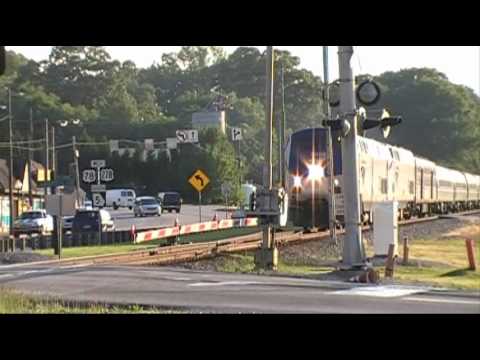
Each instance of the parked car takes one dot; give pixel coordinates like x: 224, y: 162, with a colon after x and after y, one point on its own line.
x: 88, y: 204
x: 170, y: 201
x: 120, y: 198
x: 33, y: 222
x: 147, y: 206
x: 67, y: 223
x: 92, y: 221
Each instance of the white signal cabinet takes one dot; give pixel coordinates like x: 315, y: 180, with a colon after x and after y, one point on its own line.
x: 385, y: 227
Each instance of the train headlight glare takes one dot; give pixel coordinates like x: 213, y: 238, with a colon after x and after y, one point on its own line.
x: 297, y: 181
x: 315, y: 172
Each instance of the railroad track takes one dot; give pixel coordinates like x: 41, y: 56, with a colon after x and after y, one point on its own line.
x: 192, y: 252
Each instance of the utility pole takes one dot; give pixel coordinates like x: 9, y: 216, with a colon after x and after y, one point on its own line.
x: 268, y: 178
x: 267, y: 256
x: 353, y: 251
x: 77, y: 172
x: 326, y: 105
x: 47, y: 165
x: 10, y: 177
x: 30, y: 156
x: 54, y: 157
x: 282, y: 125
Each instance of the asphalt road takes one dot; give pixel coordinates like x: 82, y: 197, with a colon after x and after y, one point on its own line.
x: 228, y: 293
x: 189, y: 214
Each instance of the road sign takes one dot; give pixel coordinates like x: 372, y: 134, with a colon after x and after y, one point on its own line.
x: 98, y: 200
x: 107, y: 175
x: 237, y: 134
x: 89, y: 176
x: 149, y: 144
x: 98, y: 164
x: 199, y: 180
x: 98, y: 188
x: 187, y: 136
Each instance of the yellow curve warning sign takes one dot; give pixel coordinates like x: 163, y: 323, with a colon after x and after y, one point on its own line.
x: 199, y: 180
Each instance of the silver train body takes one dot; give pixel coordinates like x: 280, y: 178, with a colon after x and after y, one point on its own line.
x: 386, y: 173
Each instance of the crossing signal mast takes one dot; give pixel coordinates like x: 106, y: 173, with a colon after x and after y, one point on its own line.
x: 350, y: 123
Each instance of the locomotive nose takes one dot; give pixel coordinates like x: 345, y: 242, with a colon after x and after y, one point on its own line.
x: 316, y: 172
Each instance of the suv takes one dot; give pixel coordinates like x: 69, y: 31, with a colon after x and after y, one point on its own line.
x: 145, y: 206
x: 33, y: 222
x: 171, y: 201
x: 92, y: 221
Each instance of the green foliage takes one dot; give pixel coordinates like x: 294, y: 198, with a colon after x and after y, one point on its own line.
x: 441, y: 119
x: 116, y: 100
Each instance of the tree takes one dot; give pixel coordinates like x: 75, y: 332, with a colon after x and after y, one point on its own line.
x: 78, y: 74
x: 441, y: 119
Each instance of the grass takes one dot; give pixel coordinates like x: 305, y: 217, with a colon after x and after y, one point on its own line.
x: 461, y: 279
x: 436, y: 262
x: 15, y: 303
x: 245, y: 263
x: 440, y: 261
x: 126, y: 247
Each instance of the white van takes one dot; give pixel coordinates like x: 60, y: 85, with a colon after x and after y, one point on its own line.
x: 120, y: 198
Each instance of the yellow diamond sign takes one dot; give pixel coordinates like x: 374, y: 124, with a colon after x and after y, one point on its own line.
x: 199, y: 180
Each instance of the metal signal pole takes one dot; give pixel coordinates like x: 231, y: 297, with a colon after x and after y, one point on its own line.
x: 353, y: 251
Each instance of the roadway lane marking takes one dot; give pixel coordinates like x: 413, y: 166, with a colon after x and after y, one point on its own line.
x: 75, y: 266
x: 447, y: 301
x: 380, y: 291
x: 224, y: 283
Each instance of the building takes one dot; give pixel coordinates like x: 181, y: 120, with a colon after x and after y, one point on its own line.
x: 20, y: 195
x: 213, y: 119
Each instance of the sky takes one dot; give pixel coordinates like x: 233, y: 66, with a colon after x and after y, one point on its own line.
x: 461, y: 64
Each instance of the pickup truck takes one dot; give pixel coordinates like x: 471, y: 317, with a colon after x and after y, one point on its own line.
x: 33, y: 222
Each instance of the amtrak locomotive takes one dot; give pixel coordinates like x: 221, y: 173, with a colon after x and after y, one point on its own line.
x: 386, y: 173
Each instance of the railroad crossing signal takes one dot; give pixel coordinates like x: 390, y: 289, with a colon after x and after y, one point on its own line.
x: 237, y: 134
x: 199, y: 180
x: 98, y: 200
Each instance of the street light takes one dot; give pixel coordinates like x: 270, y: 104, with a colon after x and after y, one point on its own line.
x: 76, y: 154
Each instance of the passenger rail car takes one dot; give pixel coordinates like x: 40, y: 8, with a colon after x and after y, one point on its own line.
x: 386, y: 173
